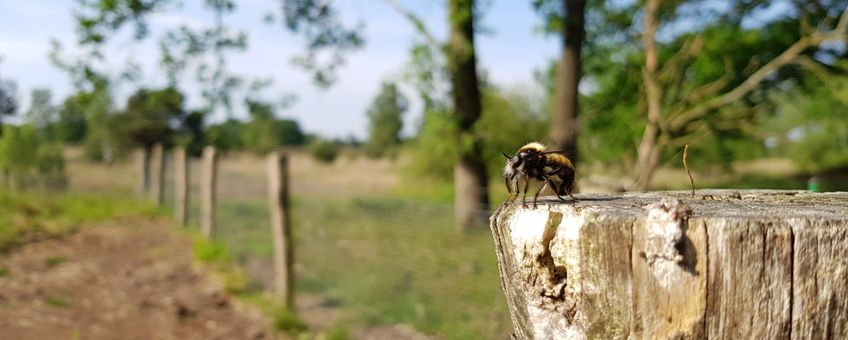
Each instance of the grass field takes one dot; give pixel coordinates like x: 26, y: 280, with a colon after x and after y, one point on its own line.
x: 377, y: 245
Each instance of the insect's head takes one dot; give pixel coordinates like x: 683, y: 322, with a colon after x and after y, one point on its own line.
x: 515, y: 160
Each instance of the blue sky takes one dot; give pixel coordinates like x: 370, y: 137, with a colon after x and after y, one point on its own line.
x: 509, y: 52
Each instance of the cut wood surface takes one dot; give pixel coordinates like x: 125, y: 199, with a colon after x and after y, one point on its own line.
x: 757, y: 264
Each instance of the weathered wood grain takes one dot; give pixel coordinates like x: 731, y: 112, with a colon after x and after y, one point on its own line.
x: 158, y: 179
x: 181, y: 185
x: 208, y: 187
x: 727, y: 264
x: 278, y: 201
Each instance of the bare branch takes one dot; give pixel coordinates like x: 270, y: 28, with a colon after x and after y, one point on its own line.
x: 752, y: 82
x: 416, y: 22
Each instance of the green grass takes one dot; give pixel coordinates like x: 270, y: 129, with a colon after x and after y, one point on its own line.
x: 52, y: 261
x: 57, y: 301
x: 385, y: 260
x: 31, y: 216
x: 390, y: 261
x: 216, y: 255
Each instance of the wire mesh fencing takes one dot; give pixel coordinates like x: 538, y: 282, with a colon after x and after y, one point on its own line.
x: 376, y: 259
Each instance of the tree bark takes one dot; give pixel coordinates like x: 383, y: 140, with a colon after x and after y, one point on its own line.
x: 471, y: 180
x: 759, y: 264
x: 649, y: 148
x: 565, y: 127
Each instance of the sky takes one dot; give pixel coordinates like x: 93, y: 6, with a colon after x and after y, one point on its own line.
x: 510, y: 50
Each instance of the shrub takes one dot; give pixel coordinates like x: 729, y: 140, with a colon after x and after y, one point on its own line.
x: 324, y: 150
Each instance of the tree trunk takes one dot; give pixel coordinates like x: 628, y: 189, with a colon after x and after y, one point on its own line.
x: 470, y: 176
x: 759, y: 264
x: 565, y: 127
x: 650, y: 148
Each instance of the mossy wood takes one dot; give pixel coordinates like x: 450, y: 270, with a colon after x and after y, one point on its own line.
x: 726, y: 264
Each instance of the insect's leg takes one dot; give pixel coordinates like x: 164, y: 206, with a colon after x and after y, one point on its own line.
x: 524, y: 196
x: 536, y: 197
x: 558, y: 189
x: 508, y: 190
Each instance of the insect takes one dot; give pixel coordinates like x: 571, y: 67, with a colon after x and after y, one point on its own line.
x: 531, y: 161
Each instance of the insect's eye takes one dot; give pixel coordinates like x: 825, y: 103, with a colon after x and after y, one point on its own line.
x: 516, y: 160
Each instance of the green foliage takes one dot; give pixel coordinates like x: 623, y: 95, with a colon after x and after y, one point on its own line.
x: 28, y: 159
x: 385, y: 118
x: 319, y: 24
x: 89, y: 116
x: 813, y: 124
x: 150, y: 115
x: 324, y: 150
x: 265, y: 133
x: 8, y: 97
x: 71, y: 126
x: 227, y: 135
x: 287, y: 321
x: 203, y: 52
x: 42, y: 114
x: 191, y: 134
x: 509, y: 121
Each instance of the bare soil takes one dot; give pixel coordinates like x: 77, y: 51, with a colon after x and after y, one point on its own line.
x: 126, y: 279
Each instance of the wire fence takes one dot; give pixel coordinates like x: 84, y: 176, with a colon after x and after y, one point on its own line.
x: 379, y: 260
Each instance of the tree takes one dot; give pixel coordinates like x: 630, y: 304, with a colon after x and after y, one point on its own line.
x: 471, y: 196
x: 8, y: 99
x: 265, y: 133
x: 567, y: 17
x: 385, y: 118
x: 470, y: 175
x: 151, y: 115
x: 42, y: 113
x: 204, y: 53
x: 672, y: 116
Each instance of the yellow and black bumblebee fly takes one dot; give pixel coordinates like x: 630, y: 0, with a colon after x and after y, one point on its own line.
x: 532, y: 161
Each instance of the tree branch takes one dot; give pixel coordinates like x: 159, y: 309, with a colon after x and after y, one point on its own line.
x: 788, y: 56
x: 416, y: 22
x: 714, y: 87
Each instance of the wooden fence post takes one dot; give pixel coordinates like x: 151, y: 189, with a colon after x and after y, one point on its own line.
x: 278, y: 194
x: 158, y: 165
x: 181, y: 185
x: 207, y: 191
x: 143, y: 164
x: 754, y: 264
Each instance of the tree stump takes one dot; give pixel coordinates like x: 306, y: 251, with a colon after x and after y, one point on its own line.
x: 728, y: 264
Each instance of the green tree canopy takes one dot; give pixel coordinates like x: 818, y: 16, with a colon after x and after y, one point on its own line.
x: 265, y: 132
x: 385, y: 117
x: 151, y: 116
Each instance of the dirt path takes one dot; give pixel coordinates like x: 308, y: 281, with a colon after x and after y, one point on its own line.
x: 127, y: 279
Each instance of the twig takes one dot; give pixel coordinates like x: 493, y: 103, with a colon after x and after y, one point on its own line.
x: 686, y: 166
x: 416, y: 21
